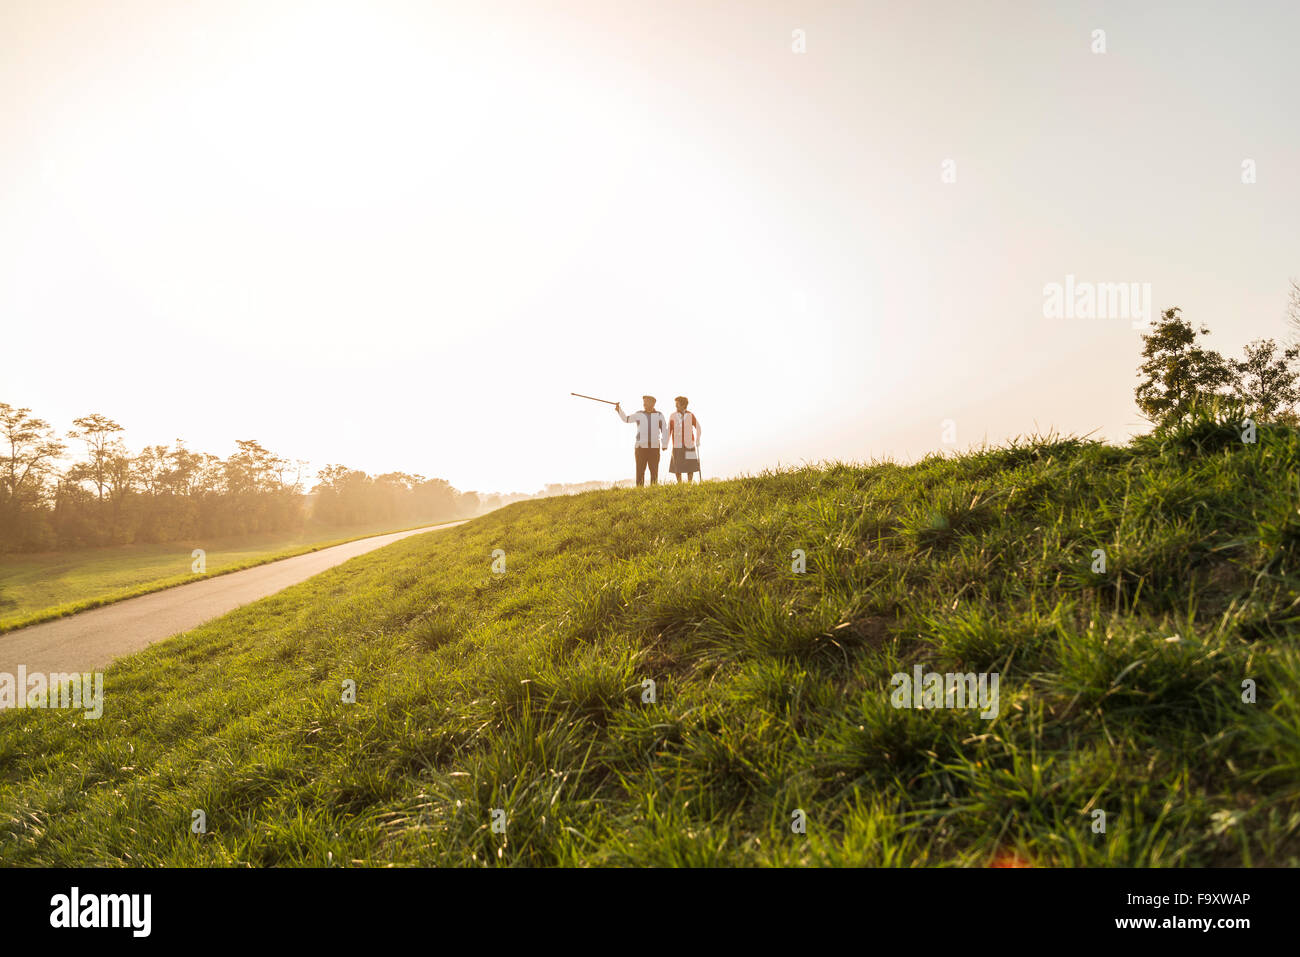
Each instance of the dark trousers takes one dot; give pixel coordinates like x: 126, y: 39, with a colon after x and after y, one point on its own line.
x: 647, y: 458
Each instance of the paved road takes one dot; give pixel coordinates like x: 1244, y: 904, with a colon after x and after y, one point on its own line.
x: 90, y: 640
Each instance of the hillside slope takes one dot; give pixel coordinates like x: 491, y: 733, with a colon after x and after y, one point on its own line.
x: 524, y: 691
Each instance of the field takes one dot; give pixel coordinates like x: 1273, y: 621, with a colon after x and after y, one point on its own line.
x: 503, y: 717
x: 49, y: 585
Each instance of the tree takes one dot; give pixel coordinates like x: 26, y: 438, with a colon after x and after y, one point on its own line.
x: 1177, y: 371
x: 193, y: 473
x: 344, y: 496
x: 119, y: 476
x: 152, y: 468
x: 96, y: 431
x: 1266, y: 381
x: 29, y: 452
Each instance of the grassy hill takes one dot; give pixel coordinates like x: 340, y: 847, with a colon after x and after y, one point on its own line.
x: 1120, y: 691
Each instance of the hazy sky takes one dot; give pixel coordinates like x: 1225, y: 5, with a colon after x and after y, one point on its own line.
x: 397, y: 235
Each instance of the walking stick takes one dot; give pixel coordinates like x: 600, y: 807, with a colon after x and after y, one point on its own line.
x: 593, y: 398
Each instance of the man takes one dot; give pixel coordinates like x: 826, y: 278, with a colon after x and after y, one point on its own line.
x: 684, y: 431
x: 651, y: 436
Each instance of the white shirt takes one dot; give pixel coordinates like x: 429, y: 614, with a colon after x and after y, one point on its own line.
x: 651, y: 429
x: 688, y: 437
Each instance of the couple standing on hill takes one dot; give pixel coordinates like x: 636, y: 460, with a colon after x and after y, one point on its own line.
x: 654, y: 432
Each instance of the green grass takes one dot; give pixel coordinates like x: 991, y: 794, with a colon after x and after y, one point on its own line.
x: 523, y: 691
x: 39, y: 587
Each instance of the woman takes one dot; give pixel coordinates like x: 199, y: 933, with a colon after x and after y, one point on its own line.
x: 684, y: 433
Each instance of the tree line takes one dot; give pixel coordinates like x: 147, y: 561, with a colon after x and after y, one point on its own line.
x: 108, y: 495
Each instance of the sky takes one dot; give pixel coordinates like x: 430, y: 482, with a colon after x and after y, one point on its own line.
x: 397, y: 235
